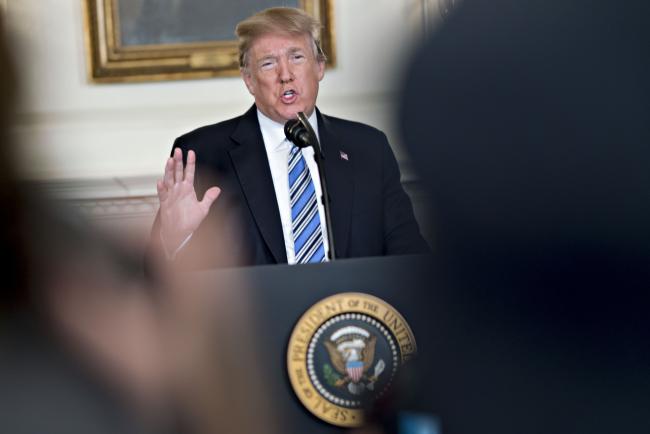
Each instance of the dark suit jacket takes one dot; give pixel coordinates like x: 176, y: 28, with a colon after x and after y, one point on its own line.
x: 371, y: 213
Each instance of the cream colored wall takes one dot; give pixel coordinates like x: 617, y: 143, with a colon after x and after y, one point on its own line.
x: 99, y: 143
x: 72, y: 129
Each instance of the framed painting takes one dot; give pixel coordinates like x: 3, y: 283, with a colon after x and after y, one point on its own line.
x: 147, y: 40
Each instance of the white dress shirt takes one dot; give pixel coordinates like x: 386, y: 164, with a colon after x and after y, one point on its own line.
x: 277, y: 150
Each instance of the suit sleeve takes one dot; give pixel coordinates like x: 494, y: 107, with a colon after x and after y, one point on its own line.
x: 401, y: 231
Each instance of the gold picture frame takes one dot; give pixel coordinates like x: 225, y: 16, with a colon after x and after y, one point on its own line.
x: 112, y: 60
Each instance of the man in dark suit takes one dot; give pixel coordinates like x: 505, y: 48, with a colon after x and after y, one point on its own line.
x: 267, y: 188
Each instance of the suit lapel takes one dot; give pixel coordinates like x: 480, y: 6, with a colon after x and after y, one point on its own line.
x: 252, y: 168
x: 340, y: 182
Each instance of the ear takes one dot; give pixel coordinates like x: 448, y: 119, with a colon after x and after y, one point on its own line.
x: 321, y: 69
x: 248, y: 79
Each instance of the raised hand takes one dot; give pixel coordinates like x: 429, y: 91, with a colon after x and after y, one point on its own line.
x: 181, y: 212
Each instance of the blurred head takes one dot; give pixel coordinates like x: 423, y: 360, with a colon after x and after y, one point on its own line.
x: 281, y: 61
x: 532, y: 131
x: 529, y: 124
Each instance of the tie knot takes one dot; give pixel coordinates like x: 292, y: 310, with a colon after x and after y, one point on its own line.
x: 294, y: 148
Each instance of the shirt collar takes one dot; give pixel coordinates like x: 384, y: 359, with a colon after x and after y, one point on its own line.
x: 273, y: 132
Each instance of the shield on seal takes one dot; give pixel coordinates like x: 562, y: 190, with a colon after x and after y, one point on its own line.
x: 354, y: 370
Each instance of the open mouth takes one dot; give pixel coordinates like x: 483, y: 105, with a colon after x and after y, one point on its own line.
x: 289, y: 96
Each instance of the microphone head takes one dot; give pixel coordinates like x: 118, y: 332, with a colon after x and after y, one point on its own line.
x: 296, y: 132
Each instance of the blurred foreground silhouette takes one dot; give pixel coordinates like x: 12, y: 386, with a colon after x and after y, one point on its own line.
x: 89, y: 344
x: 530, y: 124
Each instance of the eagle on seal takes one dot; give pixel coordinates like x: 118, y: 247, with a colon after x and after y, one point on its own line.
x: 352, y: 352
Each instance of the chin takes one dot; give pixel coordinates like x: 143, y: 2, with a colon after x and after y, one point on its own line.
x: 287, y: 116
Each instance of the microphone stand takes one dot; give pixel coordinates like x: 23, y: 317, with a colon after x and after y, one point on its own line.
x: 312, y: 140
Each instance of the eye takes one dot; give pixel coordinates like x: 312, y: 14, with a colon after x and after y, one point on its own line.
x: 297, y: 57
x: 267, y: 65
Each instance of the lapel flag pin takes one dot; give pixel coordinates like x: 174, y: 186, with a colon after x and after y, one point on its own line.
x: 344, y: 156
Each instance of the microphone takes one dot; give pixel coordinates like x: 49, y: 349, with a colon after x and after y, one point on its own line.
x: 297, y: 132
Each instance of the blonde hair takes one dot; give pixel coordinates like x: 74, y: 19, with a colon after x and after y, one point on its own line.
x: 279, y: 20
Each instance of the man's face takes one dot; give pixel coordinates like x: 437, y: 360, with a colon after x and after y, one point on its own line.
x: 282, y: 74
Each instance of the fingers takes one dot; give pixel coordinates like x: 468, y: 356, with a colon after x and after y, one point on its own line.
x: 178, y: 165
x: 175, y: 172
x: 209, y: 197
x: 190, y: 167
x: 168, y: 178
x: 163, y: 193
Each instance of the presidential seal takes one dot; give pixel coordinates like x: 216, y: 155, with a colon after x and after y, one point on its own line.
x: 345, y: 350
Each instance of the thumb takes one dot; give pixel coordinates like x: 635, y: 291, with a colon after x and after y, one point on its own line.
x: 210, y: 196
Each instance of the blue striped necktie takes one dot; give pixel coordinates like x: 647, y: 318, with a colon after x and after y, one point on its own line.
x: 305, y: 221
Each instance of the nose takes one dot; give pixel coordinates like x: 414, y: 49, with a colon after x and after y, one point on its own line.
x: 284, y: 72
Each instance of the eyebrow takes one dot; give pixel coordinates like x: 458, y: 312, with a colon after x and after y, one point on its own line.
x: 290, y: 50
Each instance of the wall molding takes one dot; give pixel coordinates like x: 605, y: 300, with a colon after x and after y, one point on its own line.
x: 130, y: 204
x: 126, y: 208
